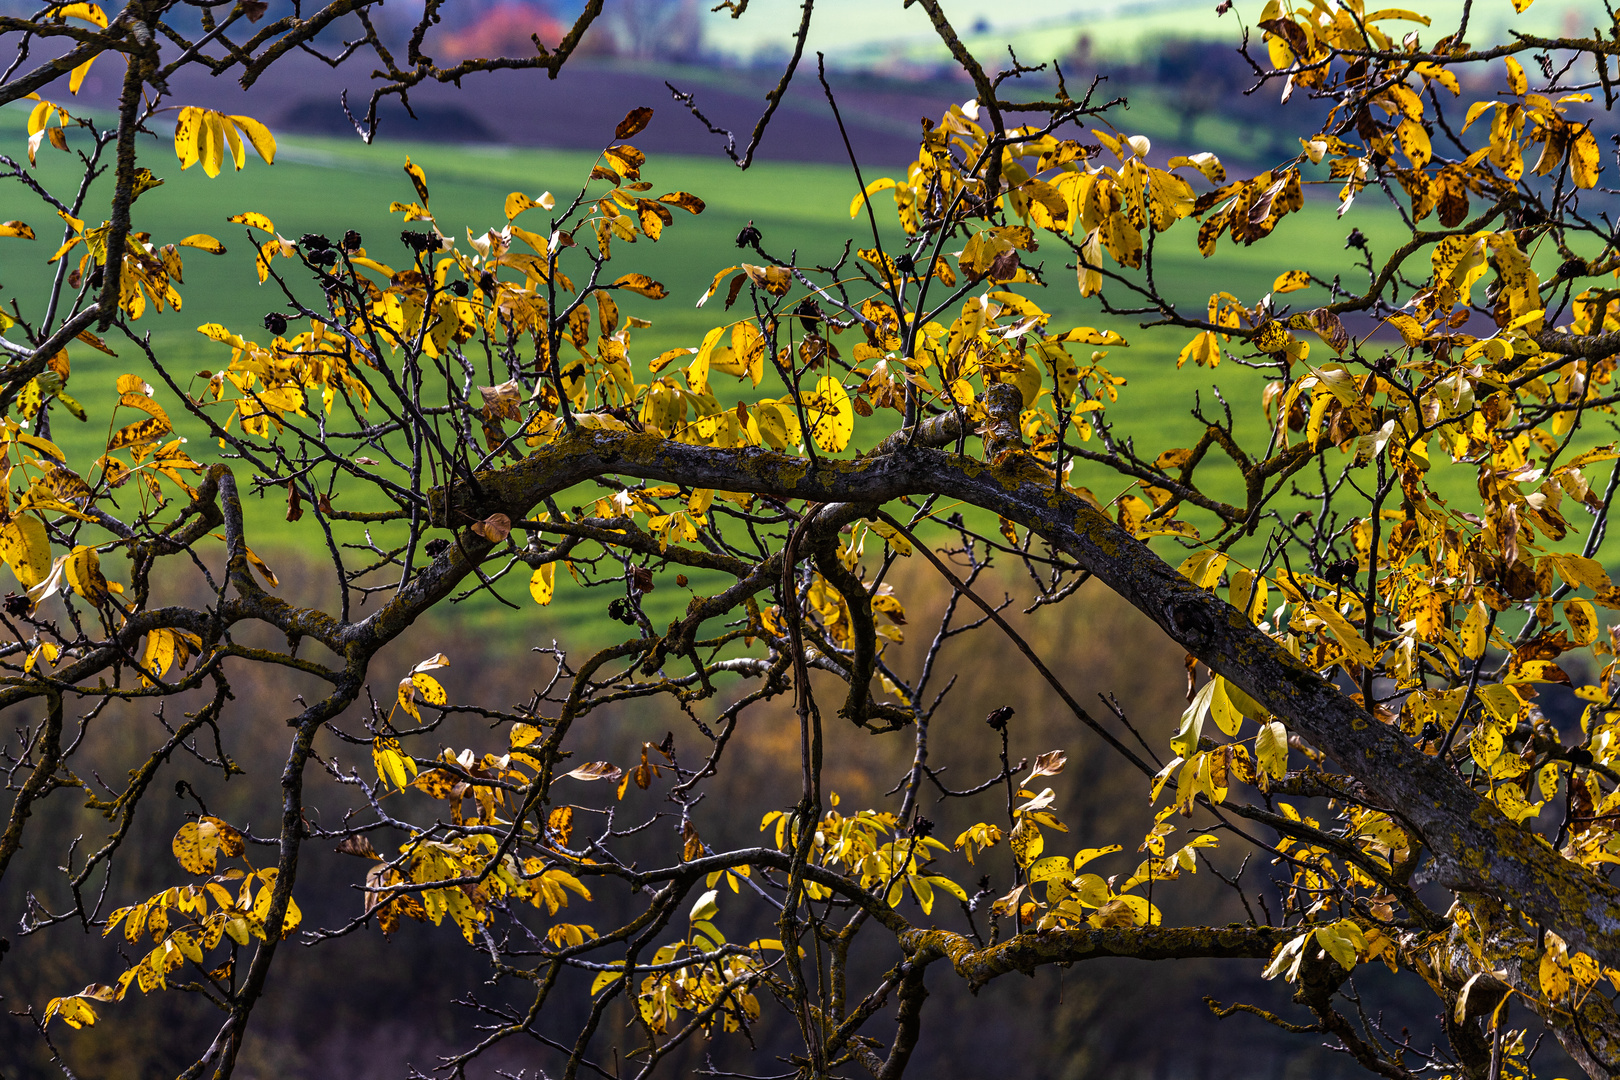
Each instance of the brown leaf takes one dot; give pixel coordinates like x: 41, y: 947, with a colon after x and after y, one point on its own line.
x: 685, y: 200
x: 596, y: 770
x: 1004, y: 267
x: 494, y: 528
x: 561, y: 823
x: 439, y: 784
x: 776, y: 280
x: 357, y: 845
x: 1290, y: 32
x: 1330, y: 329
x: 1048, y: 764
x: 693, y: 849
x: 736, y: 287
x: 501, y: 402
x: 632, y: 124
x: 295, y: 508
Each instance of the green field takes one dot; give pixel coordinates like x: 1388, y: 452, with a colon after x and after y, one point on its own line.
x: 330, y: 185
x: 855, y: 33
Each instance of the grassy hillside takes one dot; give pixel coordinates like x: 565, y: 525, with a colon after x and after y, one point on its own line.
x: 330, y: 185
x: 857, y: 33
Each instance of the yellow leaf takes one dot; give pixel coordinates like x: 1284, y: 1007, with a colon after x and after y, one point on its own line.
x: 1292, y: 281
x: 211, y: 142
x: 90, y: 13
x: 187, y: 135
x: 1554, y: 979
x: 264, y: 143
x: 642, y: 285
x: 892, y: 537
x: 1343, y: 941
x: 391, y: 762
x: 204, y: 242
x: 1204, y: 350
x: 543, y: 583
x: 233, y: 142
x: 1223, y: 710
x: 74, y: 1011
x: 1515, y: 74
x: 83, y: 569
x: 264, y: 570
x: 517, y: 202
x: 253, y: 219
x: 16, y: 229
x: 1584, y: 160
x: 1354, y: 645
x: 1204, y: 568
x: 26, y: 549
x: 431, y: 690
x: 1474, y: 630
x: 1582, y: 619
x: 418, y: 179
x: 196, y: 846
x: 158, y: 655
x: 697, y: 372
x: 831, y: 416
x: 871, y: 189
x: 1026, y: 842
x: 407, y: 699
x: 1271, y: 747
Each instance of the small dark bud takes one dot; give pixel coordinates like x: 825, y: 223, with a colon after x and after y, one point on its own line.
x: 680, y: 581
x: 921, y: 827
x: 314, y: 242
x: 667, y: 747
x: 1300, y: 518
x: 1340, y: 572
x: 1431, y: 731
x: 620, y: 609
x: 749, y: 237
x: 351, y: 241
x: 904, y: 263
x: 96, y: 278
x: 16, y: 604
x: 1572, y: 268
x: 486, y: 283
x: 324, y: 258
x: 1356, y: 240
x: 809, y: 314
x: 437, y: 547
x: 276, y: 323
x: 419, y: 242
x: 1223, y: 7
x: 459, y: 287
x: 998, y: 719
x: 1580, y: 756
